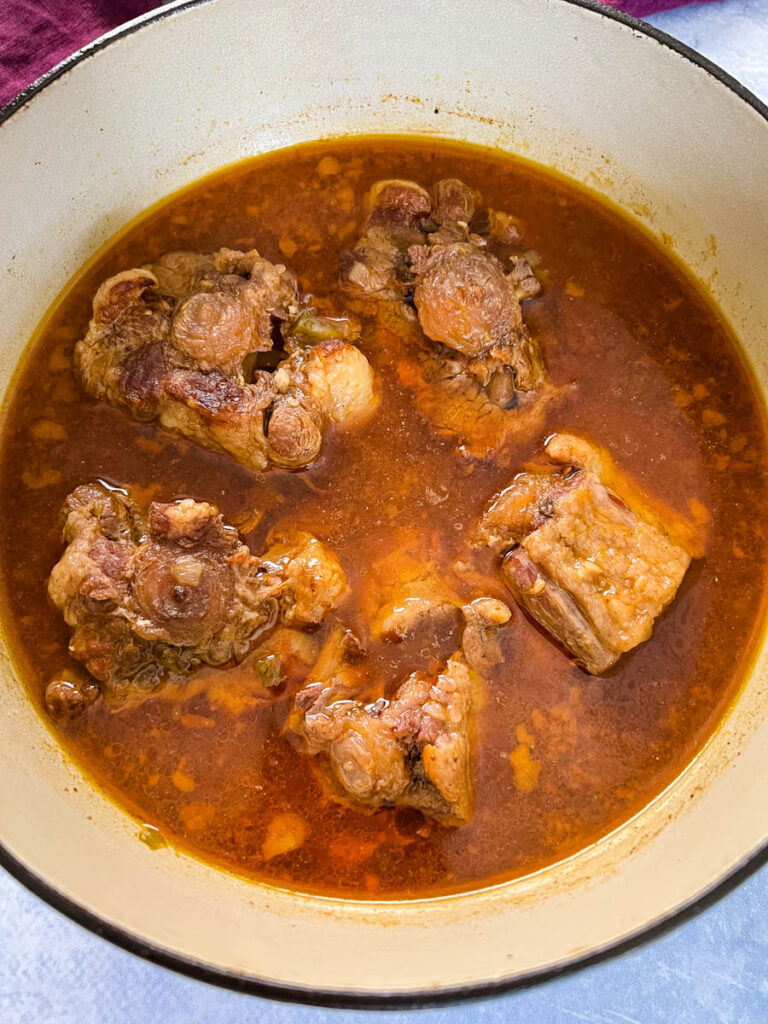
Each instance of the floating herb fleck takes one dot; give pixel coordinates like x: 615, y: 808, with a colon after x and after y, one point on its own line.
x: 152, y: 837
x: 268, y: 670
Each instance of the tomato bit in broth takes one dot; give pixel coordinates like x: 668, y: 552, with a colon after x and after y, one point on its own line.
x: 411, y: 509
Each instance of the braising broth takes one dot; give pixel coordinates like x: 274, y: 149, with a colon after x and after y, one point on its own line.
x: 639, y: 363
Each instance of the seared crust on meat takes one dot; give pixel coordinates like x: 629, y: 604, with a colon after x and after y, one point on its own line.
x: 151, y: 595
x: 412, y: 751
x: 415, y: 749
x: 315, y: 582
x: 171, y: 342
x: 331, y: 382
x: 593, y: 571
x: 483, y: 371
x: 378, y: 264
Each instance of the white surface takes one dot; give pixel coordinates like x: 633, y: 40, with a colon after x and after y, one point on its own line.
x: 732, y: 33
x: 52, y: 971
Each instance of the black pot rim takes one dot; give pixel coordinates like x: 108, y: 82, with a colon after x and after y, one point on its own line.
x: 350, y: 1000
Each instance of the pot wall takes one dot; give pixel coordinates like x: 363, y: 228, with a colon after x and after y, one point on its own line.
x: 556, y: 82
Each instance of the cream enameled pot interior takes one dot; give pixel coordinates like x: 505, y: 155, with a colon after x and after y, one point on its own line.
x: 553, y: 81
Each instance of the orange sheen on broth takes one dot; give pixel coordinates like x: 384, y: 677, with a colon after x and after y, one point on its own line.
x: 561, y: 757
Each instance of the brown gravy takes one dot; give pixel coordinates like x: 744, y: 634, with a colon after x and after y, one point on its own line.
x: 562, y: 758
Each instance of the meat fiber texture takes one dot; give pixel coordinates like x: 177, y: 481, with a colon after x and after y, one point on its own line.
x: 35, y: 36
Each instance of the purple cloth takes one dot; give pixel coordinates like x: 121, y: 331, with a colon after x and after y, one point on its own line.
x: 36, y: 34
x: 639, y: 8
